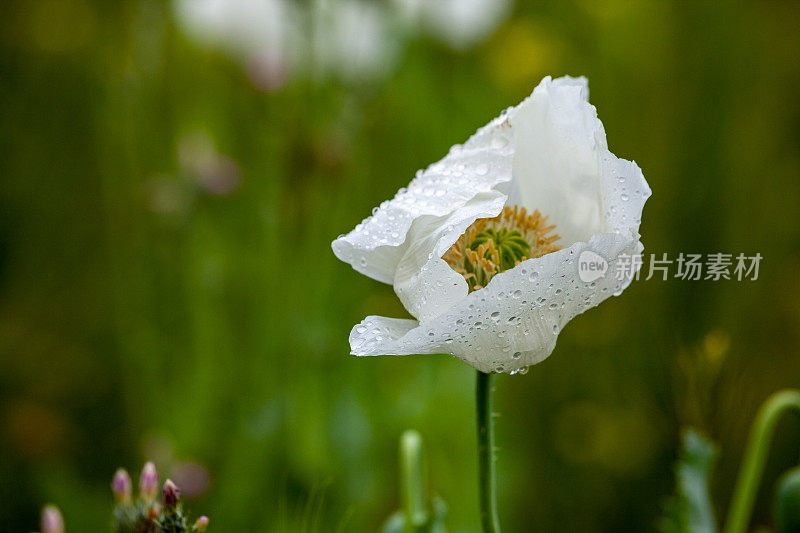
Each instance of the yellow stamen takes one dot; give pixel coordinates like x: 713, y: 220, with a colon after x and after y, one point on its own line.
x: 492, y: 245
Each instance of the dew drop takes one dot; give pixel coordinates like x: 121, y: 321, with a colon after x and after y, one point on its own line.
x: 499, y: 142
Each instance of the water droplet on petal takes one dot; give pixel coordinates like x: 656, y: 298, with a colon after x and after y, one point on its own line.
x: 499, y: 142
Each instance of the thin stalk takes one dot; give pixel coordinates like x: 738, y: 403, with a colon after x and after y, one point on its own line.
x: 755, y: 457
x: 411, y: 481
x: 487, y: 475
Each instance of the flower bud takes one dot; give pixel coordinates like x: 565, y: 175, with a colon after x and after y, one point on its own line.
x: 171, y: 494
x: 148, y: 482
x: 121, y: 486
x: 52, y: 521
x: 201, y: 524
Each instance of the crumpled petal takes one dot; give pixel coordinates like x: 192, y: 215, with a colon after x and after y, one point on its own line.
x: 376, y: 246
x: 510, y: 324
x: 561, y: 165
x: 426, y: 285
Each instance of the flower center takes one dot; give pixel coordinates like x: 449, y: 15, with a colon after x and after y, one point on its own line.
x: 493, y: 245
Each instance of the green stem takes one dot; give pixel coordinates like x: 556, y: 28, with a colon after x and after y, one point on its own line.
x: 755, y: 457
x: 413, y: 492
x: 487, y: 475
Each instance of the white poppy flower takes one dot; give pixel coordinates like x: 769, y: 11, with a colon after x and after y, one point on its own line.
x: 500, y: 305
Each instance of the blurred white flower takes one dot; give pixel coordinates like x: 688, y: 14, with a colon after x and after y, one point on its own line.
x: 265, y: 34
x: 277, y: 39
x: 459, y: 23
x: 500, y: 305
x: 353, y: 40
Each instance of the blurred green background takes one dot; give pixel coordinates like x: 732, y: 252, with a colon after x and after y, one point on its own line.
x: 173, y: 178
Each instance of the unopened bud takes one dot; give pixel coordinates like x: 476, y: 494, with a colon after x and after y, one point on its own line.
x: 201, y: 524
x: 52, y: 521
x: 171, y: 494
x: 148, y: 482
x: 121, y: 485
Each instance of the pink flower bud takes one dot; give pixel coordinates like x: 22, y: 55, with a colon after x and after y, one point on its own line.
x: 171, y: 494
x: 121, y: 485
x: 201, y: 524
x: 148, y: 481
x: 52, y: 522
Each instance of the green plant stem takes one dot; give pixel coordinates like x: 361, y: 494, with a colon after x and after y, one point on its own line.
x: 411, y: 480
x: 755, y: 457
x: 487, y: 475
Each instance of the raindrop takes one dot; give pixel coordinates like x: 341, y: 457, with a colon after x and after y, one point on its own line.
x: 499, y: 142
x: 516, y: 355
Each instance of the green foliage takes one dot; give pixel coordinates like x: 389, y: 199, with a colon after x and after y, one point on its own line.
x: 787, y: 502
x: 690, y: 510
x: 143, y: 314
x: 433, y: 523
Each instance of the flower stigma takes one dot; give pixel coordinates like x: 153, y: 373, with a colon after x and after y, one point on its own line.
x: 494, y: 245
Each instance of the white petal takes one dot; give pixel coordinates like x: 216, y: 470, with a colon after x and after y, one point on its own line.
x: 563, y: 167
x: 514, y: 321
x: 376, y: 246
x: 426, y: 285
x: 376, y: 331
